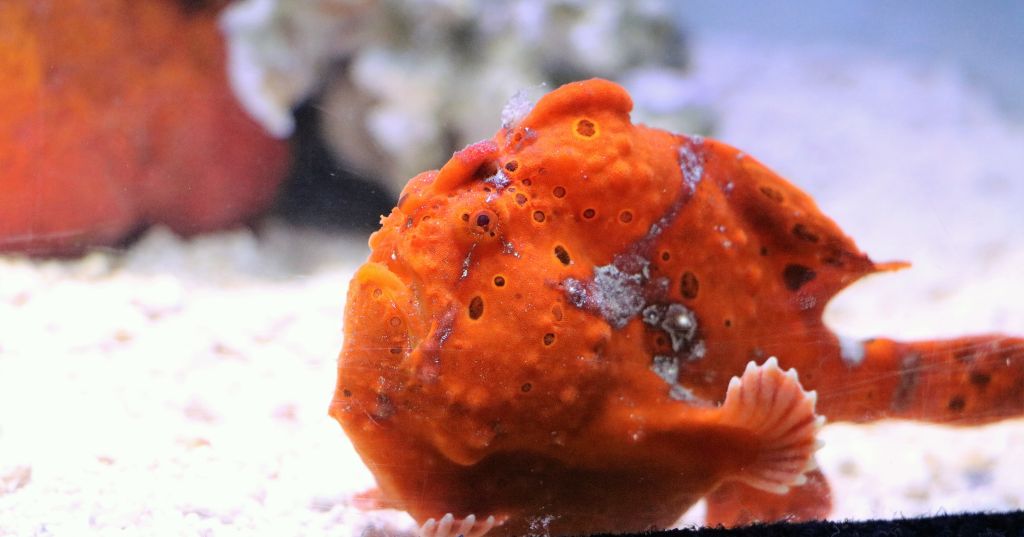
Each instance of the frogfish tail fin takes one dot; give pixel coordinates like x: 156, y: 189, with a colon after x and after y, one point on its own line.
x: 969, y: 380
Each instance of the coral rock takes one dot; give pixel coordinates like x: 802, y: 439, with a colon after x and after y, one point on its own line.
x: 463, y: 58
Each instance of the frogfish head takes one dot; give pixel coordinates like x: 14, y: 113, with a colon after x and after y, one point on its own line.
x: 479, y: 299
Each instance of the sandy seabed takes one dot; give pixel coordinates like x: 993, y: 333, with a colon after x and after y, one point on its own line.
x: 181, y: 387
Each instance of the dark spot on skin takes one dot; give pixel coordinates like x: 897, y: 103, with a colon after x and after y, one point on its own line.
x: 526, y: 387
x: 483, y: 220
x: 558, y: 192
x: 562, y: 255
x: 586, y: 128
x: 487, y: 169
x: 957, y: 403
x: 772, y: 194
x: 964, y: 355
x: 347, y: 393
x: 764, y: 250
x: 556, y: 312
x: 795, y: 276
x: 395, y: 321
x: 465, y: 217
x: 834, y: 255
x: 832, y: 261
x: 520, y: 199
x: 665, y: 256
x: 549, y: 338
x: 527, y: 182
x: 728, y: 323
x: 377, y: 293
x: 908, y: 381
x: 396, y: 350
x: 538, y: 216
x: 689, y: 285
x: 589, y: 213
x: 476, y: 307
x: 385, y: 408
x: 625, y: 217
x: 458, y: 409
x: 499, y: 281
x: 801, y: 232
x: 512, y: 166
x: 980, y: 379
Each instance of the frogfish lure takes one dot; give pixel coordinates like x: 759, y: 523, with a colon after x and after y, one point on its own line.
x: 584, y: 325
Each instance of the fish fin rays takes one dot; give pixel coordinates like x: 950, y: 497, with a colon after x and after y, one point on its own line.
x: 449, y: 526
x: 772, y: 406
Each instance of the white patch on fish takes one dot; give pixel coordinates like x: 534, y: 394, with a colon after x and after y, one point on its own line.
x: 851, y: 351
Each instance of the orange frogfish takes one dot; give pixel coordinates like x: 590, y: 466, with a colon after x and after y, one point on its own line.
x: 118, y: 114
x: 584, y: 325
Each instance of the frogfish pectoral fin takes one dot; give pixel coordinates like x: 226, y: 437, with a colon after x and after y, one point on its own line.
x: 771, y: 406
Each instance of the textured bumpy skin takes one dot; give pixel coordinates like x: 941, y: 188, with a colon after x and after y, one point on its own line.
x: 560, y: 329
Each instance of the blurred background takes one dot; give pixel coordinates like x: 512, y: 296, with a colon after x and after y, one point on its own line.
x: 186, y: 187
x: 982, y: 42
x: 320, y: 110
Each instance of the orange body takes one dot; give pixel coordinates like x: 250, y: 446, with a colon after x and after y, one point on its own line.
x: 544, y: 324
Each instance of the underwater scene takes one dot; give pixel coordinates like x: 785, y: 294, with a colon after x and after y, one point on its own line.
x: 526, y: 267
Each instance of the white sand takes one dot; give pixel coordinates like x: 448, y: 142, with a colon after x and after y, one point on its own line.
x: 182, y: 387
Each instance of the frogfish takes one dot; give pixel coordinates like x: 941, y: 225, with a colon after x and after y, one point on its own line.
x: 586, y: 325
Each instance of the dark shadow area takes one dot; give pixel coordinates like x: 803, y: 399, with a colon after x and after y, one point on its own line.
x: 320, y: 192
x: 978, y: 524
